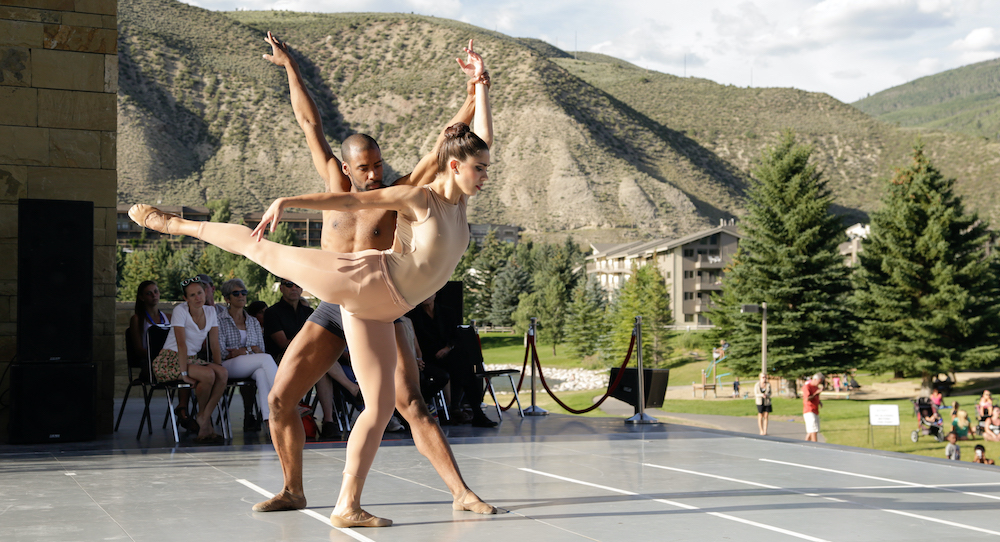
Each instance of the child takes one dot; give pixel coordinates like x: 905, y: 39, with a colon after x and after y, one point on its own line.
x: 981, y: 456
x: 952, y: 450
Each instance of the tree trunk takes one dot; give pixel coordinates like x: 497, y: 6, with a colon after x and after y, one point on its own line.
x: 898, y: 374
x: 926, y: 383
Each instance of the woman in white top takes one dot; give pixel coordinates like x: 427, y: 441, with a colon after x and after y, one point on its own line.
x: 190, y: 325
x: 762, y: 396
x: 242, y: 342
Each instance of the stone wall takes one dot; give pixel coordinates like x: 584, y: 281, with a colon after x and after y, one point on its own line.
x: 58, y: 123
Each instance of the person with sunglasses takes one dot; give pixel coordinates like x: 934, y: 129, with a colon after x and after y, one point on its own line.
x: 284, y: 319
x: 242, y: 344
x: 191, y: 324
x: 373, y: 287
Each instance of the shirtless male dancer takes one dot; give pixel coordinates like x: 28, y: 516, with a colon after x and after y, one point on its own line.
x: 321, y: 340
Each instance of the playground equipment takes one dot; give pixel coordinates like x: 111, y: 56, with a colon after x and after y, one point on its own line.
x: 710, y: 379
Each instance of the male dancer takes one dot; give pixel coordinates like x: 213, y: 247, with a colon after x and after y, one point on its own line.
x: 321, y: 340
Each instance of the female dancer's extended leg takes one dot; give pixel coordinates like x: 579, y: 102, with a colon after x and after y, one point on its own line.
x: 318, y: 272
x: 373, y: 357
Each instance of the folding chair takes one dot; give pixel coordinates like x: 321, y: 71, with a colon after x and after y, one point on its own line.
x: 468, y: 338
x: 136, y: 372
x: 227, y: 397
x: 155, y: 337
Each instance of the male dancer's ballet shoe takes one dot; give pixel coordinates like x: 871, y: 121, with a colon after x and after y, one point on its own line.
x: 476, y: 506
x: 359, y: 518
x: 150, y: 217
x: 281, y: 501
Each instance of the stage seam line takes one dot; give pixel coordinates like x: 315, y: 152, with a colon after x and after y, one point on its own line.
x: 834, y: 499
x: 311, y: 513
x: 679, y: 505
x: 911, y: 484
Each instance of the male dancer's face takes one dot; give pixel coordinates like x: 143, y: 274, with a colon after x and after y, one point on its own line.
x: 364, y: 168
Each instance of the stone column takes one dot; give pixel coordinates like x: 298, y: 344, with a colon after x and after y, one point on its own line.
x: 58, y: 123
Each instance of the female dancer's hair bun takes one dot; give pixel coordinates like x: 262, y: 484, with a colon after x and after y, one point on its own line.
x: 460, y: 142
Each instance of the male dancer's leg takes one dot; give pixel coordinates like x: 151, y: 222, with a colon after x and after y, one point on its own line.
x: 427, y: 435
x: 308, y: 357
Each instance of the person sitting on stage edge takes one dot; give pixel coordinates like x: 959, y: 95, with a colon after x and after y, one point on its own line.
x: 190, y: 325
x: 242, y: 344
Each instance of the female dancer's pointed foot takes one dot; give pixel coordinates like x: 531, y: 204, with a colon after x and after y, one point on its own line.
x: 469, y: 501
x: 150, y: 217
x: 358, y: 518
x: 281, y: 501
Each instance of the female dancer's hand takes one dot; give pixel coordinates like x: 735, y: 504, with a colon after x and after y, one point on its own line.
x: 279, y: 51
x: 271, y: 216
x: 473, y: 65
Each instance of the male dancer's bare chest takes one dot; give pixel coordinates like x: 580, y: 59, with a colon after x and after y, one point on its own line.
x: 355, y: 231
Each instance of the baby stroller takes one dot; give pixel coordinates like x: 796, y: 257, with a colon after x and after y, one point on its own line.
x: 929, y: 422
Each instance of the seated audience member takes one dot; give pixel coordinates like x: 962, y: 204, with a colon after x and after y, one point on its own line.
x: 256, y: 309
x: 984, y: 408
x: 952, y: 451
x: 284, y: 319
x: 961, y: 426
x: 980, y: 456
x: 991, y: 429
x: 190, y: 325
x: 336, y: 376
x: 147, y: 314
x: 242, y: 343
x: 436, y: 333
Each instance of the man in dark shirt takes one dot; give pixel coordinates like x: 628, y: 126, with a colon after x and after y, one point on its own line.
x: 284, y: 319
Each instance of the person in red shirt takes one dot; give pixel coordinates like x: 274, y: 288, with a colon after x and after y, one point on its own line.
x: 811, y: 404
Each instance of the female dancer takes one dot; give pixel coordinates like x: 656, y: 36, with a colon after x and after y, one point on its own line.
x: 372, y: 287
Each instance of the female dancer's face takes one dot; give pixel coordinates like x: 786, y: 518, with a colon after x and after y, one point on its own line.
x: 471, y: 174
x: 194, y: 294
x: 151, y: 296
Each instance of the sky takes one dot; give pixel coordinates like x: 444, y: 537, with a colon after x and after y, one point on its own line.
x: 845, y: 48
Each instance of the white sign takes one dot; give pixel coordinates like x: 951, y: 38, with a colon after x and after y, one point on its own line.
x: 883, y: 414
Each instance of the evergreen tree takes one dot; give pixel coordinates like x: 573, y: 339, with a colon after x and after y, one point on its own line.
x: 220, y: 210
x: 478, y: 282
x: 509, y: 284
x: 460, y: 274
x: 585, y: 318
x: 643, y: 294
x: 926, y: 293
x: 790, y: 260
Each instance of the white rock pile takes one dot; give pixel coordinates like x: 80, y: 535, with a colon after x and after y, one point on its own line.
x: 557, y: 379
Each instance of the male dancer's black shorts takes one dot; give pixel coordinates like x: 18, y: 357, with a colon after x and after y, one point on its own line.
x: 328, y: 316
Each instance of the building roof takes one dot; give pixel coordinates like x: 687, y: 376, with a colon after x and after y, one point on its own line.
x: 637, y: 248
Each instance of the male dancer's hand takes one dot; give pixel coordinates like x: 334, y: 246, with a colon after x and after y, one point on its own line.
x: 279, y: 51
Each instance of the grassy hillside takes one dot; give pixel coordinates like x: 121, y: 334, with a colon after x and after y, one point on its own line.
x: 965, y: 100
x: 593, y: 145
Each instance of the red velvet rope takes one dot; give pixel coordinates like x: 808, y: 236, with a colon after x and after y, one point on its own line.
x: 611, y: 388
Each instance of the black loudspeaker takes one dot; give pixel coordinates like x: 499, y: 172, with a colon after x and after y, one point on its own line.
x: 654, y: 382
x: 449, y: 301
x: 55, y: 281
x: 52, y: 402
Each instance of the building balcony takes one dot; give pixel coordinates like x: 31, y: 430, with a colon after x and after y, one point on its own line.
x: 703, y: 306
x: 705, y: 261
x: 708, y: 286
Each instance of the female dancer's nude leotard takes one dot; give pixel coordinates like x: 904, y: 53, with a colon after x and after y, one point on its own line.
x: 379, y: 285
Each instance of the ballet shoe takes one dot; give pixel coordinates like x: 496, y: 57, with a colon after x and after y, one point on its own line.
x: 281, y: 501
x: 476, y: 506
x: 358, y: 518
x: 141, y: 215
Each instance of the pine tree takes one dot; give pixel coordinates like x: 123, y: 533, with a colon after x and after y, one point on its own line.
x: 643, y: 294
x: 509, y: 284
x: 926, y: 293
x: 478, y: 283
x: 789, y: 259
x: 585, y: 318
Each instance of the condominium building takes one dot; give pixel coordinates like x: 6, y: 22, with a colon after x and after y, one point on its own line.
x: 691, y: 266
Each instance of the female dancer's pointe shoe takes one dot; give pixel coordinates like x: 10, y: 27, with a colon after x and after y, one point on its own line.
x: 150, y: 217
x: 358, y: 518
x: 476, y: 506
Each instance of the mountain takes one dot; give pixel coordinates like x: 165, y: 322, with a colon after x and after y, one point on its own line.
x: 590, y: 145
x: 965, y: 100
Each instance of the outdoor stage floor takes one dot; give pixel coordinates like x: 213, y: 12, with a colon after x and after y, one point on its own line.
x: 555, y: 478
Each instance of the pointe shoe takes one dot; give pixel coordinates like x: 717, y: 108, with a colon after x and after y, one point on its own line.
x: 141, y: 214
x: 358, y: 518
x: 477, y: 506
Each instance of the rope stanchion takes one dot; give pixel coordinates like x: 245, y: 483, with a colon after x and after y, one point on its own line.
x: 611, y: 388
x: 640, y: 377
x: 534, y: 409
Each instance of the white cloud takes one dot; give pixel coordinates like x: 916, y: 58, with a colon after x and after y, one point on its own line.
x: 977, y: 40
